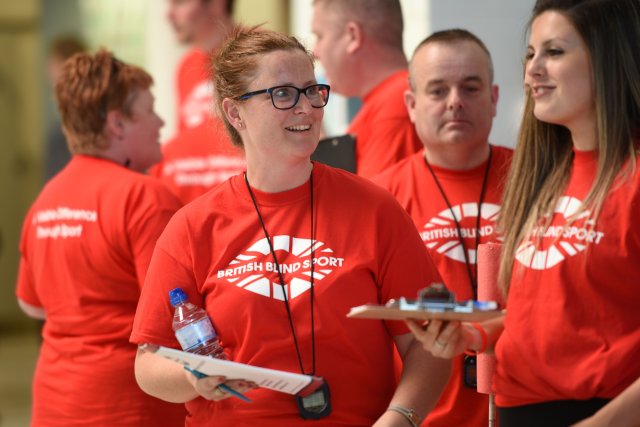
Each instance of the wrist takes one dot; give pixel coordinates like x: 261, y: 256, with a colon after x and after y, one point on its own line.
x: 409, y: 414
x: 480, y: 340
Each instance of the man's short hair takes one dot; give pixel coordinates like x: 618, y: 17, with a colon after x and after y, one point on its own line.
x: 380, y: 19
x: 452, y: 36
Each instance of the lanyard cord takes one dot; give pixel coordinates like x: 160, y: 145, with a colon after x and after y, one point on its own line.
x: 281, y: 279
x: 472, y: 279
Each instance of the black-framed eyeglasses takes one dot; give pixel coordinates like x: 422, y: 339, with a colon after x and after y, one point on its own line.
x: 286, y: 97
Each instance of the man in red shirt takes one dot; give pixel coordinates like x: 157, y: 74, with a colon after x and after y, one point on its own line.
x: 200, y: 155
x: 359, y: 43
x: 452, y: 189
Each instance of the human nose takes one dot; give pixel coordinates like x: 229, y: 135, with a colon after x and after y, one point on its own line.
x: 454, y: 100
x: 161, y: 122
x: 303, y: 105
x: 534, y: 67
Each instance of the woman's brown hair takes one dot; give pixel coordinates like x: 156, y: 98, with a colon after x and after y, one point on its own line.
x: 542, y: 161
x: 236, y: 63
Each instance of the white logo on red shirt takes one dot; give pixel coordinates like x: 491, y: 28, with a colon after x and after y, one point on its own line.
x: 440, y: 234
x: 198, y: 105
x: 203, y: 170
x: 62, y: 222
x: 565, y: 241
x: 254, y: 269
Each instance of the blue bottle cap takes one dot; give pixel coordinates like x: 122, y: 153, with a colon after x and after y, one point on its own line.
x: 176, y: 296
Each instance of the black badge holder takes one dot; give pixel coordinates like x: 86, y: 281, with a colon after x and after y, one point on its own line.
x: 316, y: 405
x: 338, y: 152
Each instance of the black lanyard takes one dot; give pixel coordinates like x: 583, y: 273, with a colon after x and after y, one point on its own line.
x: 472, y: 278
x: 281, y: 279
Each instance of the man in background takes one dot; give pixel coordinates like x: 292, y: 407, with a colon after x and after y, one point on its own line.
x: 359, y: 43
x: 201, y: 154
x: 453, y: 188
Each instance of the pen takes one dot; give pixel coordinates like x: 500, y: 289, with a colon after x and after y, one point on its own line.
x: 223, y: 386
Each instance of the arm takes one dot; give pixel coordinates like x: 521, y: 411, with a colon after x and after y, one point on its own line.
x: 621, y: 411
x: 169, y: 381
x: 32, y: 310
x: 450, y: 339
x: 422, y: 381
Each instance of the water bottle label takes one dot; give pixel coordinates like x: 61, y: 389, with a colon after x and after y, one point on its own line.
x: 195, y: 334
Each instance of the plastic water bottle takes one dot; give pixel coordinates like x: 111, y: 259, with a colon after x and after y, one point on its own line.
x: 193, y: 327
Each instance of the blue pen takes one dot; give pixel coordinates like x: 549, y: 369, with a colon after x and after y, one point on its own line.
x: 224, y: 387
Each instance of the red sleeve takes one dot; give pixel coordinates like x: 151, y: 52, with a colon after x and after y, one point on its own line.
x: 25, y: 288
x: 148, y: 211
x: 170, y: 267
x: 393, y: 140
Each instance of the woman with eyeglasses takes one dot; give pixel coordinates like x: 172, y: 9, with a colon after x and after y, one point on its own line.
x: 278, y: 255
x: 86, y: 245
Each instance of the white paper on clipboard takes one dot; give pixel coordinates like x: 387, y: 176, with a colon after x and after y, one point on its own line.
x: 282, y: 381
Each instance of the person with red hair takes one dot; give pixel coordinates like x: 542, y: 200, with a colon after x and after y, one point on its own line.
x: 85, y: 249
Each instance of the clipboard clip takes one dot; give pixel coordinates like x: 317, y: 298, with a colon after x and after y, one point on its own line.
x: 437, y: 298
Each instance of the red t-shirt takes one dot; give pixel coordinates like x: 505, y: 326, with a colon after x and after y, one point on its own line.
x: 215, y: 249
x: 198, y: 159
x: 86, y: 245
x: 384, y: 133
x: 572, y: 329
x: 194, y: 90
x: 413, y: 186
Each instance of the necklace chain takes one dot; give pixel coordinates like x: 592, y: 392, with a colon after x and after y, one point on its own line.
x: 473, y: 279
x: 281, y: 279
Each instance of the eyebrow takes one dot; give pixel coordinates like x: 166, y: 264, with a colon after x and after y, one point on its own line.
x: 550, y: 41
x: 473, y: 78
x: 305, y: 84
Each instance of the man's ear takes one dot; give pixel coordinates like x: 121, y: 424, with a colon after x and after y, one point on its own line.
x: 114, y: 125
x: 495, y: 94
x: 232, y: 113
x: 410, y: 103
x: 355, y: 34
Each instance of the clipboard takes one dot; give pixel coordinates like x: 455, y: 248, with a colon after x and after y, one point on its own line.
x: 337, y: 151
x: 382, y: 312
x: 434, y: 302
x: 282, y: 381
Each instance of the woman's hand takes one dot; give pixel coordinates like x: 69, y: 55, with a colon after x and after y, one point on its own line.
x: 208, y: 387
x: 445, y: 339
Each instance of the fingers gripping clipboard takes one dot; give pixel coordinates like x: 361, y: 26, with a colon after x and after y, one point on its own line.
x: 433, y: 303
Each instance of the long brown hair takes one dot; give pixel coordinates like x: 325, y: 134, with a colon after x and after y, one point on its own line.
x: 542, y: 161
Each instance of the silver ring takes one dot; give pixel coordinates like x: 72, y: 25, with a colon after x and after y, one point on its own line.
x: 439, y: 343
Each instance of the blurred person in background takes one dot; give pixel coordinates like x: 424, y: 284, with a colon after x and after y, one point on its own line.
x: 56, y: 152
x: 86, y: 245
x: 200, y: 155
x: 359, y: 44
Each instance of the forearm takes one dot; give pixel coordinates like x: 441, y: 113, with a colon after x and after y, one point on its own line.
x: 622, y: 411
x: 421, y: 383
x: 163, y: 378
x: 493, y: 329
